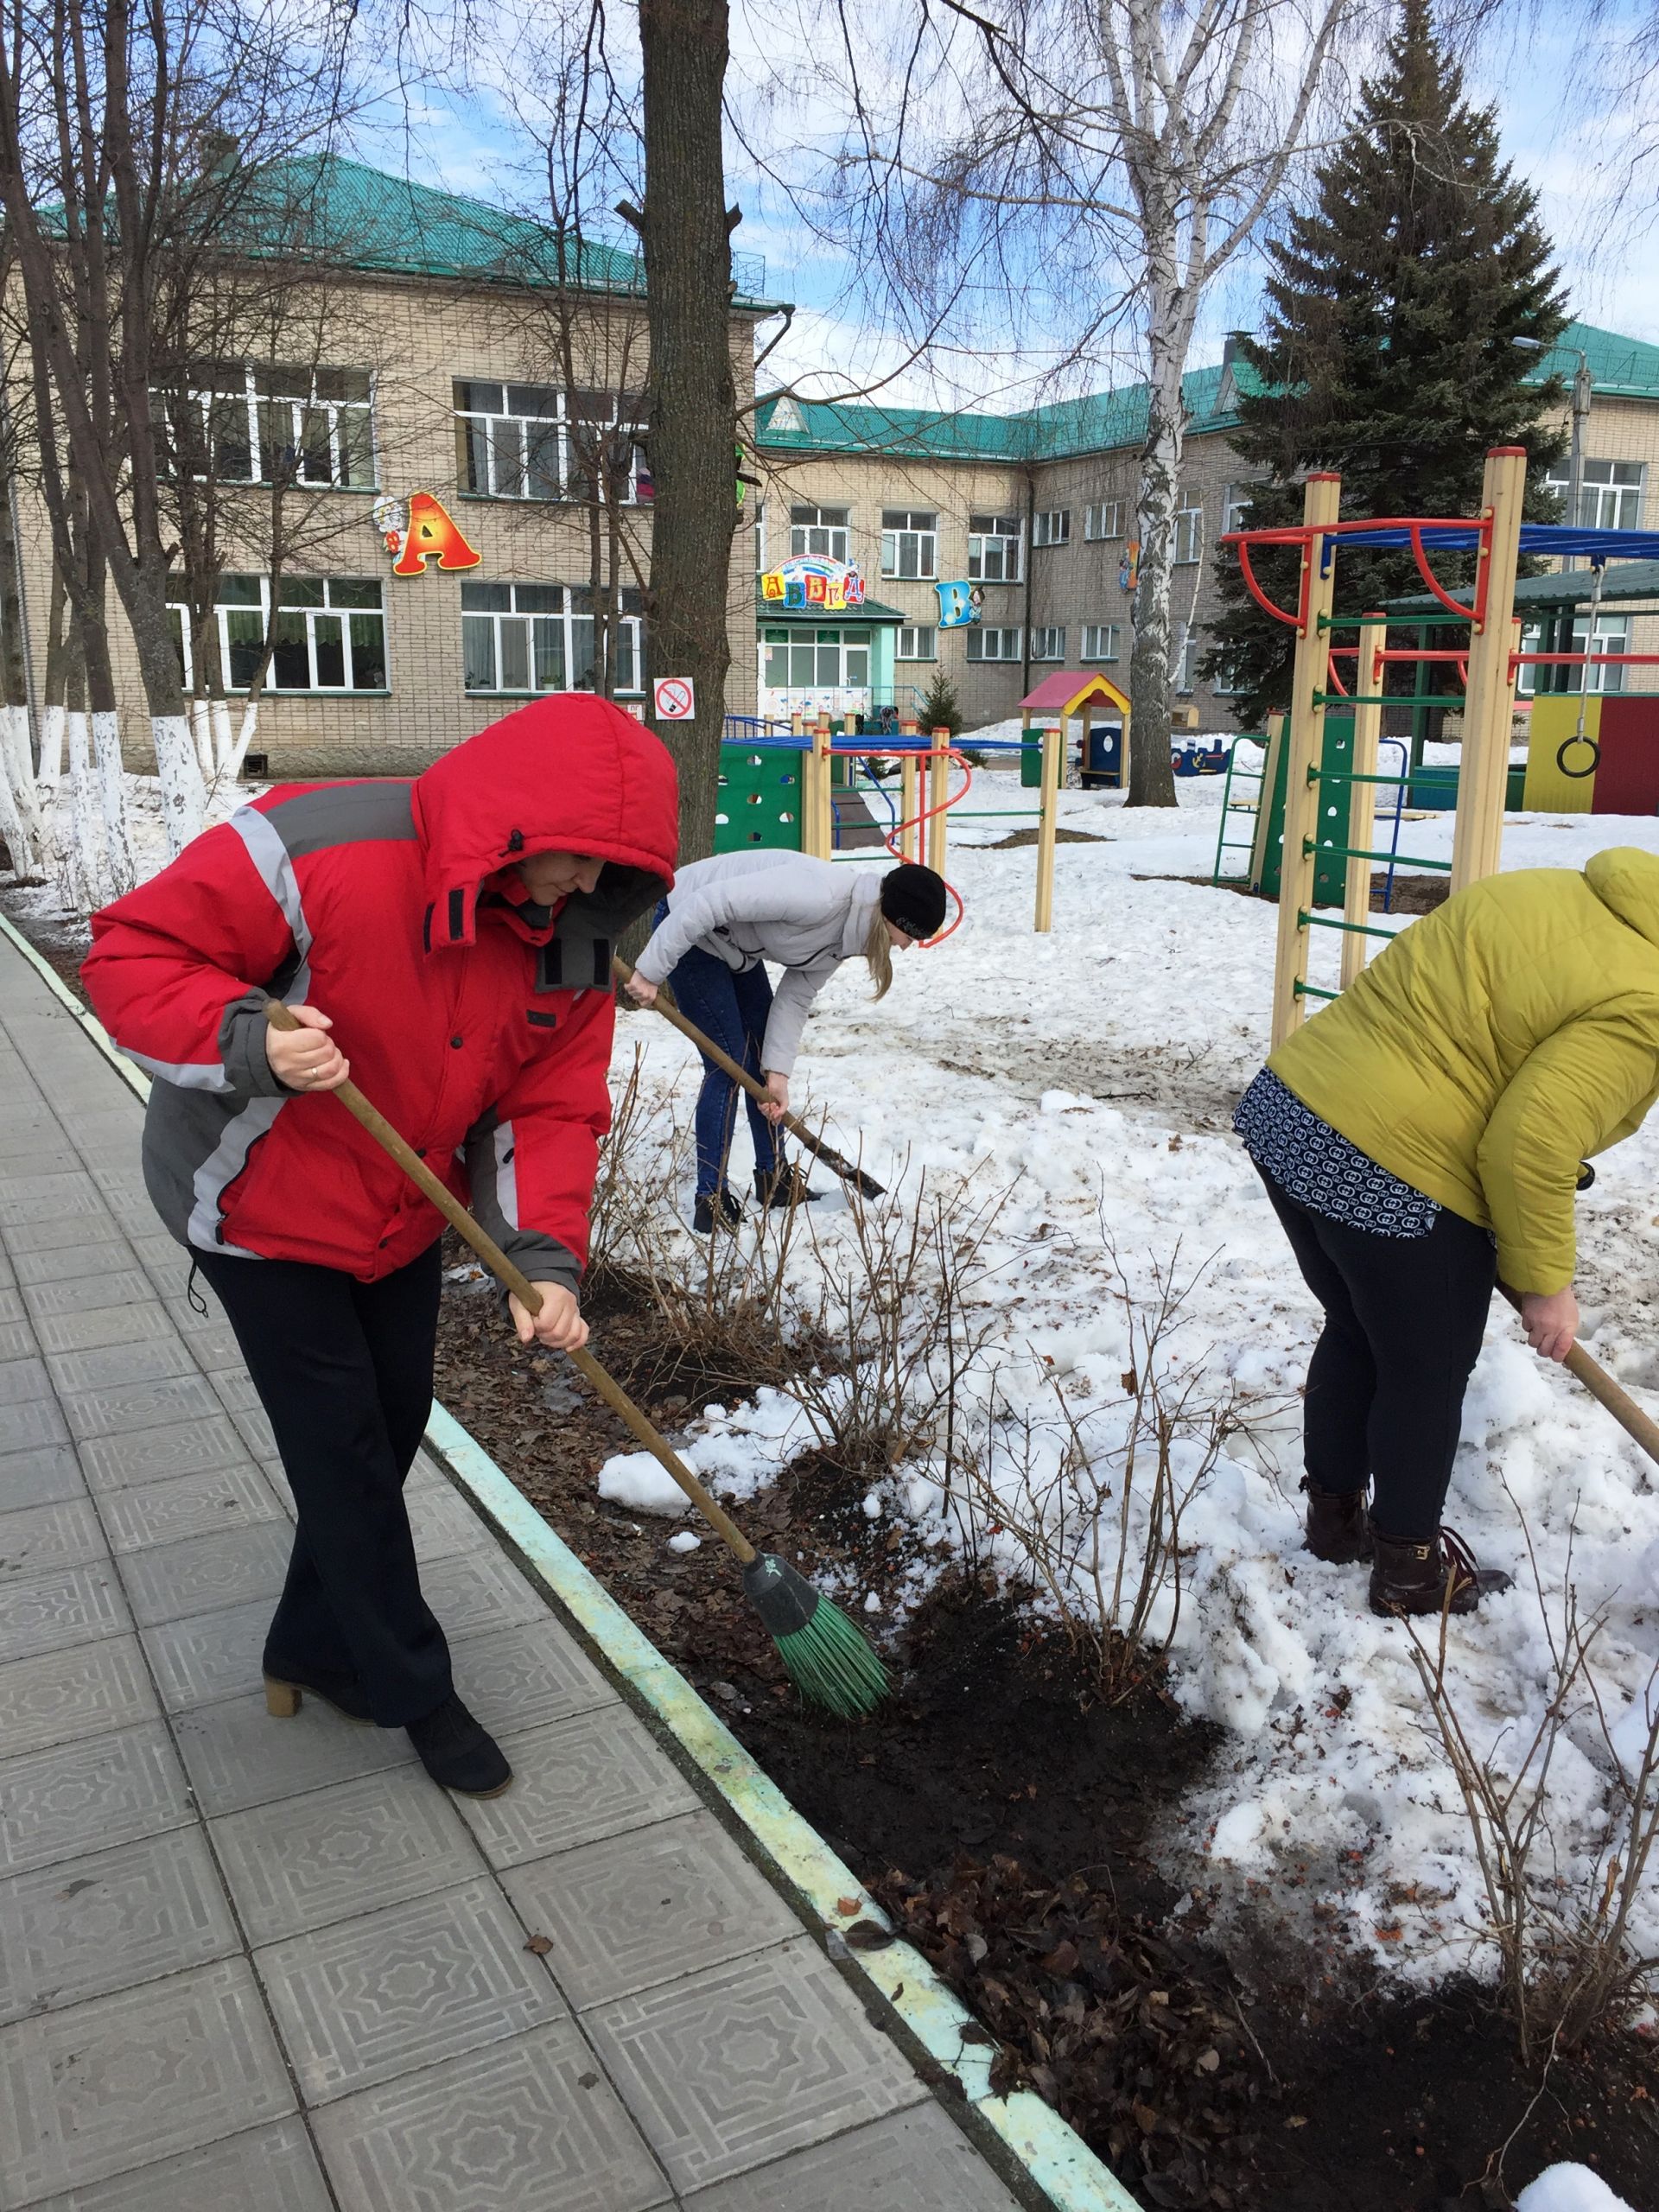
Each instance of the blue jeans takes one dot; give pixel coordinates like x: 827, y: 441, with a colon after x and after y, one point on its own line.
x: 733, y: 1010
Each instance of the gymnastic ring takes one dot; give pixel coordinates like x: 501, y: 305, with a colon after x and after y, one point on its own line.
x: 1595, y: 756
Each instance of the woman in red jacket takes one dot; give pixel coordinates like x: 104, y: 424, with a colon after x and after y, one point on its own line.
x: 448, y: 943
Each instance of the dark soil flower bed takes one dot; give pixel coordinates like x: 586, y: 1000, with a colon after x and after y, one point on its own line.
x: 1005, y: 1825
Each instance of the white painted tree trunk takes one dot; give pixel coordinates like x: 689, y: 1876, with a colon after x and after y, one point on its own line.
x: 113, y: 791
x: 17, y: 772
x: 201, y: 732
x: 244, y: 736
x: 184, y: 795
x: 82, y: 876
x: 52, y: 747
x: 223, y: 739
x: 12, y: 833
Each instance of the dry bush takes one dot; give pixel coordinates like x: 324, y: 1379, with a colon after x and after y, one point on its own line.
x: 1566, y: 1965
x: 1093, y: 1493
x: 720, y: 1300
x: 901, y: 1288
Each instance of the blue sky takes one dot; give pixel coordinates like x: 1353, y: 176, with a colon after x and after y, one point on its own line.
x: 1572, y: 126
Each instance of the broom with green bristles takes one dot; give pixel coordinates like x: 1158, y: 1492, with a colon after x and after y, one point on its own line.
x: 827, y: 1657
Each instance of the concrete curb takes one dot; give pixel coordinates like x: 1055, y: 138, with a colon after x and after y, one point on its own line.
x: 1039, y: 2143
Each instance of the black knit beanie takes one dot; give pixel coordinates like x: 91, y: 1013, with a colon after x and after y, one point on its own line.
x: 913, y: 900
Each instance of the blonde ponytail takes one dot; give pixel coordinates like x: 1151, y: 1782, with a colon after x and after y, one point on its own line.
x: 878, y: 954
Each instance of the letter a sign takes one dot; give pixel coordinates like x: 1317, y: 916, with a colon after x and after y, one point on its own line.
x: 429, y: 535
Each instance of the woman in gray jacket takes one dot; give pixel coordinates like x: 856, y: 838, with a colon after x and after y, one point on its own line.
x: 722, y: 920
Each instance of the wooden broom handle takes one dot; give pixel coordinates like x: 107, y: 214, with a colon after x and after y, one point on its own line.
x: 1600, y: 1385
x: 462, y: 1222
x: 845, y: 1168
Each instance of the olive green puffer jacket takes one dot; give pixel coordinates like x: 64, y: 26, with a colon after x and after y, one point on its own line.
x: 1495, y: 1044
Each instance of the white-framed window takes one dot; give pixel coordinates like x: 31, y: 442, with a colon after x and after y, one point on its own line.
x: 1048, y: 643
x: 994, y: 544
x: 1235, y: 503
x: 1610, y: 494
x: 536, y: 442
x: 1100, y: 640
x: 518, y: 638
x: 800, y: 658
x: 993, y: 644
x: 259, y: 423
x: 1186, y: 537
x: 1052, y: 526
x: 818, y: 533
x: 917, y: 641
x: 330, y: 634
x: 1613, y: 636
x: 1105, y: 520
x: 1186, y: 660
x: 1228, y: 680
x: 909, y: 542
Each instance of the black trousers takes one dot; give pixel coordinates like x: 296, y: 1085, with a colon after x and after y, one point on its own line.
x: 1403, y: 1320
x: 344, y: 1370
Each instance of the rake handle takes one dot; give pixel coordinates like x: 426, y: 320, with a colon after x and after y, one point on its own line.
x: 831, y: 1158
x: 514, y: 1278
x: 1601, y: 1386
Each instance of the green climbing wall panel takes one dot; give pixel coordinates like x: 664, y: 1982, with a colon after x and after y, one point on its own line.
x: 760, y: 799
x: 1329, y: 879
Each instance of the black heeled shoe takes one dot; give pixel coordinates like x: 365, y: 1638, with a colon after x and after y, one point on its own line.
x: 460, y: 1752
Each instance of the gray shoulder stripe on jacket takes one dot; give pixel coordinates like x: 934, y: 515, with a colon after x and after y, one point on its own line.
x: 345, y: 814
x: 270, y: 856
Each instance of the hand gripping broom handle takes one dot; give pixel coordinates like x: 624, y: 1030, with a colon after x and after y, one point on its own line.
x: 528, y: 1296
x: 848, y: 1173
x: 1600, y: 1384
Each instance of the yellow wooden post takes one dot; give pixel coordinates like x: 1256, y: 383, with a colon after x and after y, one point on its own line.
x: 1053, y: 749
x: 1361, y: 797
x: 1489, y: 705
x: 939, y: 769
x: 910, y: 832
x: 809, y: 769
x: 823, y: 743
x: 1306, y: 741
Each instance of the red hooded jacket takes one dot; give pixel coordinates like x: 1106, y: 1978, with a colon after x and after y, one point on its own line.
x: 479, y: 1025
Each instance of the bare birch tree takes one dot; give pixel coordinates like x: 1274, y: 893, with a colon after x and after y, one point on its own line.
x: 1106, y: 159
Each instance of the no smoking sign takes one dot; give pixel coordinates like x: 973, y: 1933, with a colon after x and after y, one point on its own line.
x: 677, y: 698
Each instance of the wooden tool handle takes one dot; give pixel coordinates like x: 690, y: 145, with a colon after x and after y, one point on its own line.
x: 1600, y: 1385
x: 845, y: 1168
x: 525, y: 1291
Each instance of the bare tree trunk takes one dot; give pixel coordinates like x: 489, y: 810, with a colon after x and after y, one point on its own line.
x: 686, y: 230
x: 1152, y: 780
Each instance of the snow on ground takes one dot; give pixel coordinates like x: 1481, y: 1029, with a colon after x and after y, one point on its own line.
x: 1090, y: 1074
x: 1569, y: 2188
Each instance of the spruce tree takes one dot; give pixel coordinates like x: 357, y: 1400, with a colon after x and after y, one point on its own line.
x: 1388, y: 351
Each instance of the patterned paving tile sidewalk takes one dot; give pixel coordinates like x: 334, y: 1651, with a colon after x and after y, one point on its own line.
x: 268, y: 1965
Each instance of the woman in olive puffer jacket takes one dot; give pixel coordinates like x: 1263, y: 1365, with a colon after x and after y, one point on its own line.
x: 1421, y: 1138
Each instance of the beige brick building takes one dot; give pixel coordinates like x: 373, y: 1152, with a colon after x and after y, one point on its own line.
x: 443, y: 360
x: 1037, y: 511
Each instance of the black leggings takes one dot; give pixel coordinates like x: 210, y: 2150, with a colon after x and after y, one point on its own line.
x: 343, y: 1369
x: 1403, y: 1320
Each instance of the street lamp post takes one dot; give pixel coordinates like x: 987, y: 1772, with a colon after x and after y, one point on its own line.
x: 1583, y: 393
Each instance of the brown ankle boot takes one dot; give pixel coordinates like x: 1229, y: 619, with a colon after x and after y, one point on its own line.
x: 1338, y: 1530
x: 1415, y: 1578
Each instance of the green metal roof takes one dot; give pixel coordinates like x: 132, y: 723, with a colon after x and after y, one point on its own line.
x: 1624, y: 581
x: 342, y: 213
x: 1106, y: 421
x: 770, y: 612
